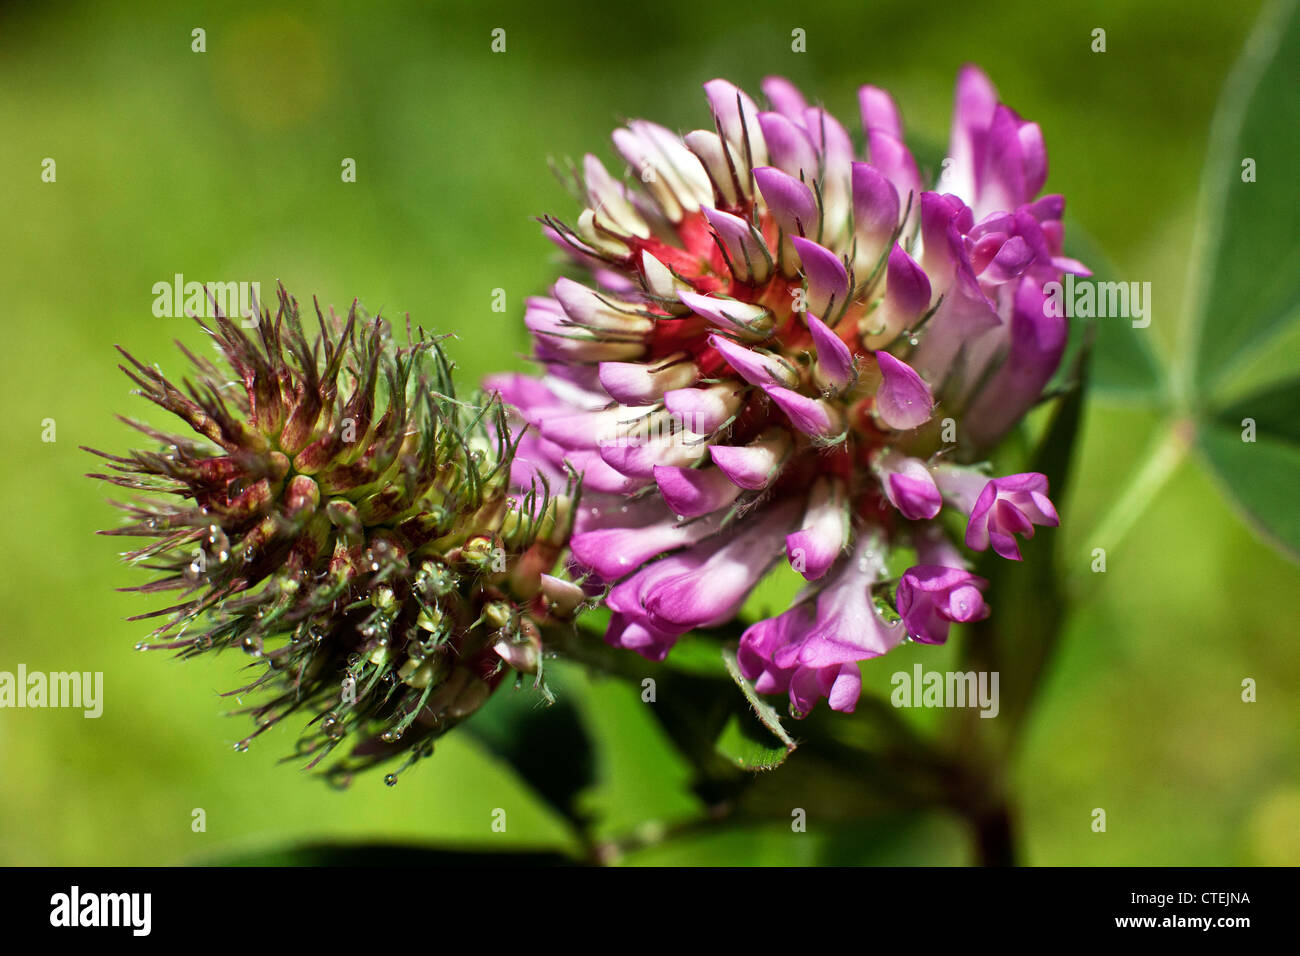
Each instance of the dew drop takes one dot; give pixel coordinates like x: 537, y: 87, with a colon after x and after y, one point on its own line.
x: 332, y: 727
x: 390, y: 779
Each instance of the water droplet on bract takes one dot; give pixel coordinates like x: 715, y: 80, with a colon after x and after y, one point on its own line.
x: 141, y: 646
x: 242, y: 747
x: 332, y: 726
x: 391, y: 779
x: 913, y: 340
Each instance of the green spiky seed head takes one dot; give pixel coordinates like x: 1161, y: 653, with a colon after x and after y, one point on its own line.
x: 339, y: 515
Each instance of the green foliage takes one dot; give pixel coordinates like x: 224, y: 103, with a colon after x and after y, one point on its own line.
x: 226, y: 165
x: 1248, y: 279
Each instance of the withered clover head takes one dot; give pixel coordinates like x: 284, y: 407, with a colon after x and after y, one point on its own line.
x: 344, y: 519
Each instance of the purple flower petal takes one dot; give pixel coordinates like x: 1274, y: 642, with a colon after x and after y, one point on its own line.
x: 876, y: 212
x: 930, y: 598
x: 599, y: 476
x: 788, y: 146
x: 812, y: 550
x: 703, y: 410
x: 834, y: 358
x: 736, y: 115
x: 753, y: 466
x: 907, y: 298
x: 617, y: 551
x: 692, y: 492
x: 757, y: 368
x: 642, y: 383
x: 895, y: 161
x: 1007, y: 507
x: 903, y: 400
x: 749, y: 256
x: 761, y: 642
x: 712, y: 592
x: 975, y: 100
x: 639, y: 636
x: 848, y: 626
x: 790, y: 201
x: 908, y: 485
x: 586, y: 307
x: 810, y: 415
x: 784, y: 96
x: 1037, y: 342
x: 638, y: 458
x: 743, y: 318
x: 828, y: 280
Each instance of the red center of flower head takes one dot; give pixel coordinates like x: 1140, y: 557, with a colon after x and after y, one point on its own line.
x: 701, y: 260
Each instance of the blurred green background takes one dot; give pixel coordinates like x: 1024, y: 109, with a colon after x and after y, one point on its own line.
x: 226, y: 165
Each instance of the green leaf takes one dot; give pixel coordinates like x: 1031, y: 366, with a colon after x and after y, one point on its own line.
x: 1244, y: 329
x: 1275, y: 411
x: 749, y: 744
x: 1248, y: 278
x: 1124, y: 364
x: 546, y: 744
x: 385, y: 855
x: 1262, y: 477
x: 747, y: 749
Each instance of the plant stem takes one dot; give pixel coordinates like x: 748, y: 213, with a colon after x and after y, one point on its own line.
x: 995, y: 836
x: 1163, y: 458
